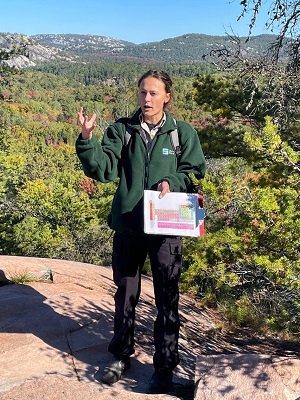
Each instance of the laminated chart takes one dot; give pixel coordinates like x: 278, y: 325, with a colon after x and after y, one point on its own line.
x: 179, y: 214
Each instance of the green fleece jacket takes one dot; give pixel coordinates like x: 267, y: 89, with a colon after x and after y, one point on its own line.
x: 137, y: 169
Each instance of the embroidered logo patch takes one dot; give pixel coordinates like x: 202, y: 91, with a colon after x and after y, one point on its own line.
x: 166, y: 152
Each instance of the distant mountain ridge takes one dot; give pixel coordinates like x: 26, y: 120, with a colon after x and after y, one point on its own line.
x: 93, y: 48
x: 82, y: 43
x: 35, y: 52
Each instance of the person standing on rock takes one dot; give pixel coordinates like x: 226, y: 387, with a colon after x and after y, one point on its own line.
x: 147, y: 161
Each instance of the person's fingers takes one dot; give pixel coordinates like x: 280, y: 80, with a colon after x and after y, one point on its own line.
x: 93, y: 118
x: 164, y: 187
x: 163, y: 193
x: 80, y: 116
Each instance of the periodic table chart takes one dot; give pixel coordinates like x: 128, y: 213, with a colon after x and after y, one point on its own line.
x: 179, y: 214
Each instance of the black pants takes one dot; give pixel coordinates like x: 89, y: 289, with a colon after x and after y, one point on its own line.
x: 129, y: 255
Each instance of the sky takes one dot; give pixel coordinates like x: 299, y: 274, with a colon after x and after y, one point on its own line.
x: 130, y: 20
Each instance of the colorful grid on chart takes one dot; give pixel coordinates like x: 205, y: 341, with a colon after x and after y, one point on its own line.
x: 181, y: 218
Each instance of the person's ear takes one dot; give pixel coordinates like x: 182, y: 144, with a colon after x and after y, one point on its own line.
x: 168, y: 98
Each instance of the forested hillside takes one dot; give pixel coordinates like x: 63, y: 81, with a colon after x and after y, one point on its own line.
x: 189, y: 48
x: 186, y: 48
x: 247, y: 263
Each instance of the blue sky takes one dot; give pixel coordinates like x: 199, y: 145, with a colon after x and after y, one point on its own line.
x: 134, y: 21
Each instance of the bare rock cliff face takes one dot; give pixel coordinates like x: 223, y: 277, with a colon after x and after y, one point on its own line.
x: 29, y: 52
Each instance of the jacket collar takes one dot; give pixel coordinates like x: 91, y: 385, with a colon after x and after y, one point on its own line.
x: 135, y: 122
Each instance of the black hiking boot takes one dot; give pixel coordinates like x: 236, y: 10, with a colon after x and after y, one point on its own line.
x: 161, y: 382
x: 113, y: 372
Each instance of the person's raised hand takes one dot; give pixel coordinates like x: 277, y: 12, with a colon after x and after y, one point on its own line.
x: 87, y: 126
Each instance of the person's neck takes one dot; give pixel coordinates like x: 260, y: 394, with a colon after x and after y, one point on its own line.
x: 155, y: 120
x: 149, y: 124
x: 152, y: 121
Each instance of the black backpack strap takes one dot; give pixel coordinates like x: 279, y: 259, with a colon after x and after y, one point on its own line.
x: 174, y: 136
x: 175, y: 142
x: 127, y: 135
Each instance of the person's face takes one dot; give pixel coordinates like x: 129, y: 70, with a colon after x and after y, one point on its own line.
x: 152, y: 99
